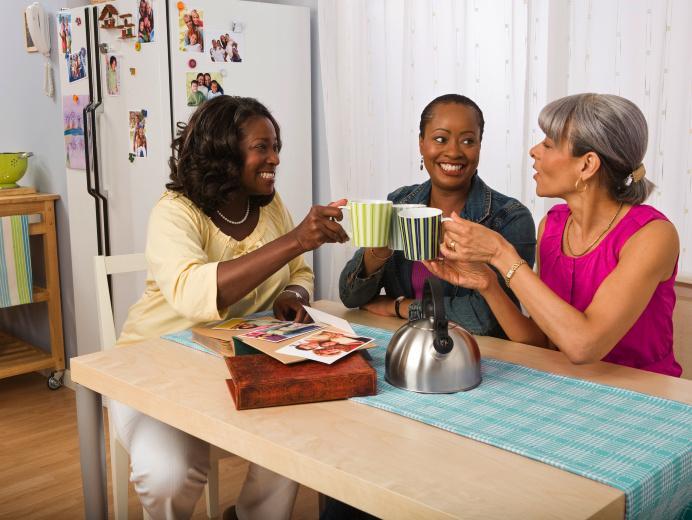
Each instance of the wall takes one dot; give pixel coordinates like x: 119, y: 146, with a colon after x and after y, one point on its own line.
x: 36, y: 126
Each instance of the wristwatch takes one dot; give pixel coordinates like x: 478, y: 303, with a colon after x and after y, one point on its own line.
x: 397, y: 302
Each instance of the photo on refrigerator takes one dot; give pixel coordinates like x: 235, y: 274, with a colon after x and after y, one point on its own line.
x: 138, y: 133
x: 225, y: 46
x: 200, y: 86
x: 145, y: 21
x: 76, y: 65
x: 191, y: 27
x: 73, y: 129
x: 113, y: 65
x: 65, y: 33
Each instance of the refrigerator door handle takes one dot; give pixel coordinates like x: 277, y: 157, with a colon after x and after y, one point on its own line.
x: 89, y: 130
x: 96, y: 75
x: 90, y: 127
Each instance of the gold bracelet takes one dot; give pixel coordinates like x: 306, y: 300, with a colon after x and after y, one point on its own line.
x: 372, y: 252
x: 513, y: 270
x: 295, y: 293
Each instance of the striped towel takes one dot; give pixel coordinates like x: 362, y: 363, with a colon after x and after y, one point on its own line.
x: 15, y: 268
x: 637, y: 443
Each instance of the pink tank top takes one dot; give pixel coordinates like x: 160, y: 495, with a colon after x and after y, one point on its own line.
x: 648, y: 345
x: 419, y: 273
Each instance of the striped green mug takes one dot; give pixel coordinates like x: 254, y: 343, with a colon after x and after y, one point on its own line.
x: 395, y: 241
x: 369, y: 222
x: 421, y: 229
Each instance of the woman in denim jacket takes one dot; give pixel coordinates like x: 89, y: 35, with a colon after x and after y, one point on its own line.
x: 451, y: 129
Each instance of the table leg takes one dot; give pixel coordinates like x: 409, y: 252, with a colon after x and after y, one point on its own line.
x: 92, y: 453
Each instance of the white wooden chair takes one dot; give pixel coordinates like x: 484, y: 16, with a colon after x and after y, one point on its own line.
x: 120, y: 459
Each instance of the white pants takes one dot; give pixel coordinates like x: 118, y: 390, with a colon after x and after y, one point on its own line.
x: 169, y: 471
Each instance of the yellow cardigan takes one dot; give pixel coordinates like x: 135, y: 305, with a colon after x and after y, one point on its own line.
x: 183, y: 249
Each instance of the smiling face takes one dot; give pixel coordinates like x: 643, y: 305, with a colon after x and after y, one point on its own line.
x: 557, y: 170
x: 451, y: 146
x: 261, y: 148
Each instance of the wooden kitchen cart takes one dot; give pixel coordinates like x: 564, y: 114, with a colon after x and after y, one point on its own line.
x: 17, y: 356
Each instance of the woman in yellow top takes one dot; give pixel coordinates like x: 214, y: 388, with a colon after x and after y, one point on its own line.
x: 220, y: 243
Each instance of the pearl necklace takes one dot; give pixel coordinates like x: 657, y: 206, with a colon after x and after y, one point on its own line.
x: 569, y: 225
x: 236, y: 222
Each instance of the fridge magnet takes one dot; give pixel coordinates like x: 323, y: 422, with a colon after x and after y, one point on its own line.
x: 127, y: 28
x: 113, y: 74
x: 28, y: 41
x: 76, y: 65
x: 225, y: 46
x: 180, y: 6
x: 108, y: 17
x: 131, y: 157
x: 73, y: 128
x: 145, y: 22
x: 133, y: 71
x: 78, y: 20
x: 65, y: 33
x: 138, y: 46
x: 191, y: 29
x: 192, y: 63
x: 202, y: 86
x: 138, y: 136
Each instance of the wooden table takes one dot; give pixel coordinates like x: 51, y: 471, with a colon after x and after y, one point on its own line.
x: 380, y: 462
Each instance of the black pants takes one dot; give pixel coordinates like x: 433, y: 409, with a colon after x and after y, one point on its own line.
x: 335, y: 510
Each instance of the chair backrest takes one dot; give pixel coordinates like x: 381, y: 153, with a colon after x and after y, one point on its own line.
x: 103, y: 266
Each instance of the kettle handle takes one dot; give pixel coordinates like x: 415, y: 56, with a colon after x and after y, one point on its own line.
x: 432, y: 301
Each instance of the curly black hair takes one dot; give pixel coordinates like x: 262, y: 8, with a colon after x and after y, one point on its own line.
x: 207, y: 159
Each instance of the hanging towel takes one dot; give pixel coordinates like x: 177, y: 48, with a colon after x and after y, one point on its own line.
x: 15, y: 261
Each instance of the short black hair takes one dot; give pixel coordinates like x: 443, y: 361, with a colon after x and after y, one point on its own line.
x: 112, y: 59
x: 445, y: 99
x: 207, y: 159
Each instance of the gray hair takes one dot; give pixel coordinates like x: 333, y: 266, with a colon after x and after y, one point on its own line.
x: 612, y: 127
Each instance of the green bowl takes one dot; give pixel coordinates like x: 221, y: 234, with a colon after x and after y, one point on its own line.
x: 12, y: 168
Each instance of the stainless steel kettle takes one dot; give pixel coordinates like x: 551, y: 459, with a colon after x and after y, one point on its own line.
x: 433, y: 355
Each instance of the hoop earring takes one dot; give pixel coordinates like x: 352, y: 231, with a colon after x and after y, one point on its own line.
x: 583, y: 188
x: 421, y: 163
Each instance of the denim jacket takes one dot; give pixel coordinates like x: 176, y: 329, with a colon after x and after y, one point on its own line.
x: 503, y: 214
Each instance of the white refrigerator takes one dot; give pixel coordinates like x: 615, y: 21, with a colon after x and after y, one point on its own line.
x: 126, y: 71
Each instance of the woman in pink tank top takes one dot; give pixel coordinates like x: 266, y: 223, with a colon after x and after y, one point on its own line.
x: 606, y: 262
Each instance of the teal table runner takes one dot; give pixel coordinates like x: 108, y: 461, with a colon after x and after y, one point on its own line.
x: 637, y: 443
x: 184, y: 337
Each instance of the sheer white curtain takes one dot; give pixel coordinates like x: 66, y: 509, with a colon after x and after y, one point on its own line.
x: 382, y: 61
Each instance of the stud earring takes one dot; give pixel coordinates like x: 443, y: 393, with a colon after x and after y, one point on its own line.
x: 421, y: 163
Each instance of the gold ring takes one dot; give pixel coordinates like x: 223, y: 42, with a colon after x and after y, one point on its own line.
x: 452, y: 245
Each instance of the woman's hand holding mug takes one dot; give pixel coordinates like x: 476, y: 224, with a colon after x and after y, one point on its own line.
x: 465, y: 241
x: 321, y: 226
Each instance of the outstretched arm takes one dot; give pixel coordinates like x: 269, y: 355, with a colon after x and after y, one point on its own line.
x: 647, y: 258
x: 237, y: 277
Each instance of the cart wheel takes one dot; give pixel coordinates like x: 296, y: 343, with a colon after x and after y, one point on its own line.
x: 55, y: 382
